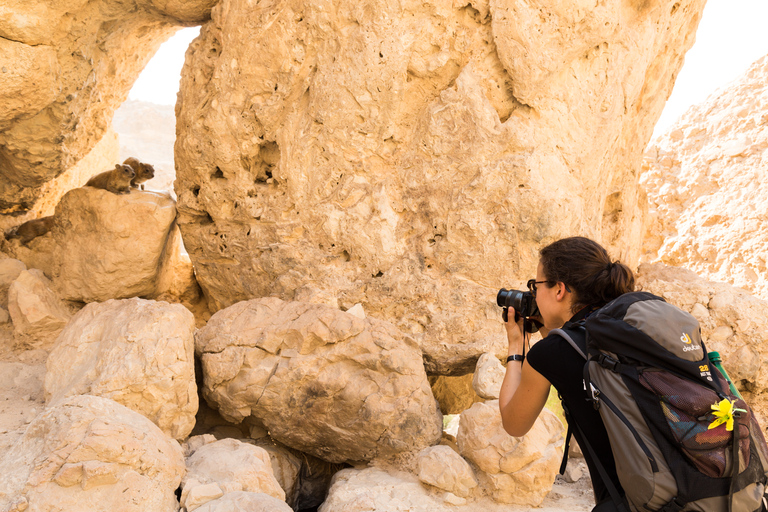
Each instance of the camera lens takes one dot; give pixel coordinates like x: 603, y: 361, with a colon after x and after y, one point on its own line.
x: 509, y: 299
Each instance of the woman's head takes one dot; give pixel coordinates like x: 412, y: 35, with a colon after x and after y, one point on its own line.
x: 587, y: 271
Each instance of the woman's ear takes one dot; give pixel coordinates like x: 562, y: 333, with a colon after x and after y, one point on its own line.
x: 561, y: 289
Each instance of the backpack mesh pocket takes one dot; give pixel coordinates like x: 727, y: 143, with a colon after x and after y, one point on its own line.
x: 687, y: 409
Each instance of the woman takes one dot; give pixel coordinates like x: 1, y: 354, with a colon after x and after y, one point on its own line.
x: 575, y: 277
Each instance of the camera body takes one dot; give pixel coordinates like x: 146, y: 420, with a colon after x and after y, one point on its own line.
x: 523, y: 303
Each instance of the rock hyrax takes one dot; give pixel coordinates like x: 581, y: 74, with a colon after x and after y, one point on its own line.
x: 144, y: 172
x: 117, y: 181
x: 31, y: 229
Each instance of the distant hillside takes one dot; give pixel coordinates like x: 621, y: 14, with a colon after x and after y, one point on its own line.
x: 148, y: 131
x: 707, y: 184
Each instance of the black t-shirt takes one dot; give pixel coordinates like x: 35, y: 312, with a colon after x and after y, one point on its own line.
x: 555, y: 359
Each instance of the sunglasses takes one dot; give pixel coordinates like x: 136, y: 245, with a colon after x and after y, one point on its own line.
x: 532, y: 285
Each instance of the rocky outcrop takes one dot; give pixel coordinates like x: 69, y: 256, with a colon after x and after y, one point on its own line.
x: 321, y: 380
x: 413, y: 156
x: 65, y: 67
x: 115, y: 246
x: 136, y: 352
x: 518, y: 470
x: 706, y: 186
x: 91, y: 453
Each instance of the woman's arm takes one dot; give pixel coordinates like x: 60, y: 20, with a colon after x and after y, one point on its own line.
x: 524, y: 391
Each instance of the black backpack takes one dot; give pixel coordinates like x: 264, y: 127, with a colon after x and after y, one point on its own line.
x: 650, y: 377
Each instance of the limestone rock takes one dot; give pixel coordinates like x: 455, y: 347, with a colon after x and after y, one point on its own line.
x: 488, y: 376
x: 91, y: 453
x: 442, y: 467
x: 37, y: 312
x: 65, y: 67
x: 411, y: 156
x: 378, y: 490
x: 225, y: 466
x: 321, y: 380
x: 137, y: 352
x: 9, y: 270
x: 518, y: 470
x: 706, y: 186
x: 240, y: 501
x: 454, y: 394
x: 116, y: 246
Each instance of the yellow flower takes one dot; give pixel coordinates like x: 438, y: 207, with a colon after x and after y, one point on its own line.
x: 724, y: 414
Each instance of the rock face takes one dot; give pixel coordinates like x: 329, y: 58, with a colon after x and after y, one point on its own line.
x: 65, y: 68
x: 113, y: 246
x: 706, y: 185
x: 136, y: 352
x: 90, y: 453
x: 321, y: 380
x: 517, y: 470
x: 411, y: 156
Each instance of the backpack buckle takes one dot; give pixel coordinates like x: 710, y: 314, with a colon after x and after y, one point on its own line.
x: 608, y: 362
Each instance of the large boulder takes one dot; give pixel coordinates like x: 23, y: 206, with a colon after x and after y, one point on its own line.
x: 518, y: 470
x: 65, y: 68
x: 91, y: 453
x: 321, y: 380
x: 115, y: 246
x: 227, y: 466
x: 706, y: 186
x: 413, y: 156
x: 137, y: 352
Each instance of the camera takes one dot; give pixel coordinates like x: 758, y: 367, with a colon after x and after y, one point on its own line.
x: 522, y: 302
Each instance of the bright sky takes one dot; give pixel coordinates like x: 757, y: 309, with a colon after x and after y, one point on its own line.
x: 732, y: 35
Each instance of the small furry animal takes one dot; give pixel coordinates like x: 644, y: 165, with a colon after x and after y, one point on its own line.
x: 31, y: 229
x: 117, y: 181
x: 144, y: 172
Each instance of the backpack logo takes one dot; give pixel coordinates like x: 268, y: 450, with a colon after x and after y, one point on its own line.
x: 688, y: 342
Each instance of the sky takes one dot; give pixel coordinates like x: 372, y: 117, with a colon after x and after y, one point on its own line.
x: 732, y: 35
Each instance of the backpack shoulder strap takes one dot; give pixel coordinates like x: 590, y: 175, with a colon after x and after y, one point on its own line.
x: 567, y: 336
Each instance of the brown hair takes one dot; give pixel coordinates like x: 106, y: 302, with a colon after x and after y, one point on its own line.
x: 585, y: 267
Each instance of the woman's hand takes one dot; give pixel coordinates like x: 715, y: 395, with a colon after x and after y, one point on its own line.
x: 515, y: 336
